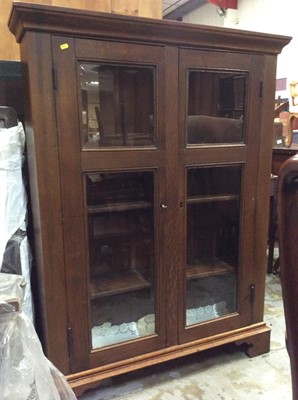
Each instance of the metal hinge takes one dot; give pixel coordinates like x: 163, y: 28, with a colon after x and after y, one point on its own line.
x: 261, y: 89
x: 55, y: 77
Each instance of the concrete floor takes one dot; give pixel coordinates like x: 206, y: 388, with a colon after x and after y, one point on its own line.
x: 224, y: 373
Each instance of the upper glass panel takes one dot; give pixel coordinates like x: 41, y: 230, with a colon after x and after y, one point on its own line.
x: 117, y: 105
x: 216, y: 107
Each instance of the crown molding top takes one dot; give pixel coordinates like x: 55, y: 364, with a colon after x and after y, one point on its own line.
x: 26, y: 17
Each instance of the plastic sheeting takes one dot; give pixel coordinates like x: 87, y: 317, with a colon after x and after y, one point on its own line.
x: 15, y: 255
x: 17, y: 259
x: 13, y: 201
x: 25, y: 373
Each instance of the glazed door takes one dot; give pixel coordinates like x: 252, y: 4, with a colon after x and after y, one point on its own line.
x: 218, y: 161
x: 112, y: 158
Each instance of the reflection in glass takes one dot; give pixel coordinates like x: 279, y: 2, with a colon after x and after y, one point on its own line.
x: 213, y: 207
x: 121, y: 255
x: 117, y: 105
x: 216, y: 107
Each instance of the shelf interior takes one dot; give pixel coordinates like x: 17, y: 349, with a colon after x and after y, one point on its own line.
x: 122, y: 283
x: 210, y: 267
x: 212, y: 198
x: 119, y: 206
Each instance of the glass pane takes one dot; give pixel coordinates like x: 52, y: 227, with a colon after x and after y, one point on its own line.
x: 121, y: 255
x: 213, y: 207
x: 117, y: 105
x: 216, y: 107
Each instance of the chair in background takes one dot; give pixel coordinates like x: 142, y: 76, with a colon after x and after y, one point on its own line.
x: 287, y: 213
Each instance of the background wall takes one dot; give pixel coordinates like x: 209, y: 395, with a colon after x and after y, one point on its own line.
x: 206, y: 14
x: 263, y: 16
x: 274, y: 17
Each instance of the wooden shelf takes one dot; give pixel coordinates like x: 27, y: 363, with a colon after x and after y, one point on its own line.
x: 136, y: 142
x: 214, y: 198
x: 118, y: 207
x: 208, y: 268
x: 105, y: 231
x: 124, y: 284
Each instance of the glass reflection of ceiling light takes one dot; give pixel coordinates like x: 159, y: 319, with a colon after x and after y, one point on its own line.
x: 93, y: 83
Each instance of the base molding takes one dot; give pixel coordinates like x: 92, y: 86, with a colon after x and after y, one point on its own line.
x: 257, y: 338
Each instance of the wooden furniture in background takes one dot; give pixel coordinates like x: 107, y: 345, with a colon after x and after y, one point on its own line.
x: 9, y: 49
x: 280, y: 155
x: 287, y: 211
x: 281, y: 107
x: 150, y: 239
x: 289, y: 122
x: 272, y: 265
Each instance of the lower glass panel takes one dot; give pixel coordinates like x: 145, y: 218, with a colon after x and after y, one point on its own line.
x: 121, y: 256
x: 210, y: 297
x: 123, y: 317
x: 213, y: 208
